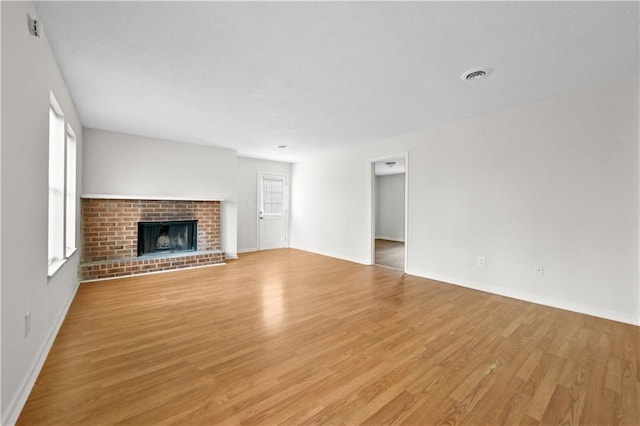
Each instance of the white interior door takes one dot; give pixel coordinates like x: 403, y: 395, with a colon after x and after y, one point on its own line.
x: 272, y: 211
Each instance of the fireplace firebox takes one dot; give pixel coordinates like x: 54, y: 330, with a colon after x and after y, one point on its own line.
x: 167, y: 237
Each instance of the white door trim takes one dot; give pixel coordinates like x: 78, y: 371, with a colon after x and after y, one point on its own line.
x: 372, y: 231
x: 259, y: 176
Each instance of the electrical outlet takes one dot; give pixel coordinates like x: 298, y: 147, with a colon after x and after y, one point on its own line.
x: 539, y: 270
x: 481, y: 262
x: 27, y: 324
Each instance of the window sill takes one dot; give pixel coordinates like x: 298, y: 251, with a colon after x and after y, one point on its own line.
x: 71, y: 252
x: 54, y: 267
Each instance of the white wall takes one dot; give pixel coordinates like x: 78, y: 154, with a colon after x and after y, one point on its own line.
x: 553, y: 183
x: 1, y: 404
x: 29, y: 73
x: 248, y: 169
x: 390, y: 207
x: 129, y: 165
x: 331, y: 206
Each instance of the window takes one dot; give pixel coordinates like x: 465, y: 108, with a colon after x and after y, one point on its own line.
x: 62, y: 189
x: 70, y: 208
x: 56, y: 185
x: 273, y: 196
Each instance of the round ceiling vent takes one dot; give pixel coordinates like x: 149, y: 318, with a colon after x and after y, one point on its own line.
x: 475, y: 74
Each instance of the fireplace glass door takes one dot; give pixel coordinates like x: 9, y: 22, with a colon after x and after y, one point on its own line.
x: 167, y: 237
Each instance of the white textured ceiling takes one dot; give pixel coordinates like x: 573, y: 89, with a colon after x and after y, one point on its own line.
x: 323, y: 76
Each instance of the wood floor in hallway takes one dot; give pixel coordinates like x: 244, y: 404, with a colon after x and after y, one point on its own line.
x: 289, y: 337
x: 390, y: 254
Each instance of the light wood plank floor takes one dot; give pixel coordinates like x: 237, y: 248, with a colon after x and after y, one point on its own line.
x: 291, y: 337
x: 390, y: 254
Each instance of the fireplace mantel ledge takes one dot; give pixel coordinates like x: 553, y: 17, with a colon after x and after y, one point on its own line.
x: 147, y: 197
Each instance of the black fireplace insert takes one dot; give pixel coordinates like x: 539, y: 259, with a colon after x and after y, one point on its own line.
x: 167, y: 237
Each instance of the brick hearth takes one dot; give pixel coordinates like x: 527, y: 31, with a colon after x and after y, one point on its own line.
x: 110, y: 236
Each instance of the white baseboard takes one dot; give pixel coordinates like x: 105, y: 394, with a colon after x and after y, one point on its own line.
x: 247, y: 250
x: 230, y: 255
x: 337, y: 256
x: 17, y: 404
x: 528, y: 297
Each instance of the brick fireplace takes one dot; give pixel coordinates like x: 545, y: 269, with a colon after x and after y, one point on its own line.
x: 110, y: 236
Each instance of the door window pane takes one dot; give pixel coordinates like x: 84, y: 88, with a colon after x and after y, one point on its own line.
x: 273, y: 196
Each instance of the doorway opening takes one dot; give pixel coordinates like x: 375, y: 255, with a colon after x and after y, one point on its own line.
x: 389, y: 185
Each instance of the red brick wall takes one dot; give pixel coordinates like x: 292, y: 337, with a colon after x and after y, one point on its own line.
x: 110, y: 235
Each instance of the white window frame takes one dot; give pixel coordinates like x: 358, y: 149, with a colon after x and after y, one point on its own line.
x: 56, y: 198
x: 62, y: 199
x: 283, y: 206
x: 70, y: 192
